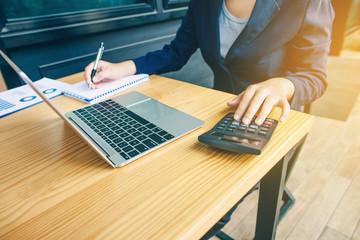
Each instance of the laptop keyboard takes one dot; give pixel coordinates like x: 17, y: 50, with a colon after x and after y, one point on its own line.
x: 125, y: 131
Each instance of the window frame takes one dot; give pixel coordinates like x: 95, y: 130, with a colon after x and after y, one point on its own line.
x: 75, y: 17
x: 170, y: 4
x: 36, y: 30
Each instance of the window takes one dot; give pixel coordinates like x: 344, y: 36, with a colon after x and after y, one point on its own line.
x: 35, y: 14
x: 24, y: 9
x: 32, y: 29
x: 26, y: 22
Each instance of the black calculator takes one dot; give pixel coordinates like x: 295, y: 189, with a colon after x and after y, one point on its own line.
x: 235, y: 136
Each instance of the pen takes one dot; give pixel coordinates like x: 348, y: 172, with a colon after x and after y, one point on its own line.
x: 98, y: 57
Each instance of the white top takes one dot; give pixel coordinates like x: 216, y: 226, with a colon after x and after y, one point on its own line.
x: 230, y: 29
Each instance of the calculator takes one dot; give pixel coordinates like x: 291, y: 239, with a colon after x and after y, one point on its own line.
x: 235, y: 136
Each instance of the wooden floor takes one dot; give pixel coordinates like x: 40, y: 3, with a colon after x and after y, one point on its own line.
x: 325, y: 182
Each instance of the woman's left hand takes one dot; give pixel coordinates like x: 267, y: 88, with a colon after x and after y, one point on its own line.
x: 262, y: 97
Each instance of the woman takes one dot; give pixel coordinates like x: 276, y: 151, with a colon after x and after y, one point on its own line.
x: 269, y: 52
x: 279, y: 58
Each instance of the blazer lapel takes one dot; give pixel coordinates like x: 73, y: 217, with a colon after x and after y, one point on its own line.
x: 263, y: 13
x: 215, y: 10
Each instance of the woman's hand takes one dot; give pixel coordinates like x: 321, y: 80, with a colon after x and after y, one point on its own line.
x: 262, y: 97
x: 107, y: 71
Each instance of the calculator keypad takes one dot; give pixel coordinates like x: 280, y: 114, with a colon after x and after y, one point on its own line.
x: 235, y: 136
x: 228, y: 124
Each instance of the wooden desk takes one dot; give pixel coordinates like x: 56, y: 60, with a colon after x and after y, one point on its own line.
x: 53, y: 186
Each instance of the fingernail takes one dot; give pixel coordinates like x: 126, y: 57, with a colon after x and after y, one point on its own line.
x: 246, y: 120
x: 282, y: 119
x: 258, y: 121
x: 236, y: 116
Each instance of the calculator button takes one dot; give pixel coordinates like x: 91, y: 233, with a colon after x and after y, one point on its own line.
x: 243, y: 125
x: 264, y: 129
x: 242, y: 128
x: 220, y: 128
x: 250, y: 130
x: 230, y: 129
x: 262, y: 133
x: 269, y: 120
x: 254, y: 126
x: 268, y: 123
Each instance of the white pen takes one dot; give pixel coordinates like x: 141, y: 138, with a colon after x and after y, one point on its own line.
x: 98, y: 57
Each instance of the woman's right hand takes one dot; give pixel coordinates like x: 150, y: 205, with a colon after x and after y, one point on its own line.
x: 107, y: 71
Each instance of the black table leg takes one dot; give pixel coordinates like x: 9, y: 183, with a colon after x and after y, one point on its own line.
x: 270, y: 197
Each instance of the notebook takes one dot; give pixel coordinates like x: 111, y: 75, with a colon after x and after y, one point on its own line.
x: 125, y: 127
x: 82, y: 92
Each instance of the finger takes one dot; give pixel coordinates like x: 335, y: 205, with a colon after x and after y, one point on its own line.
x: 244, y: 103
x: 235, y: 101
x: 99, y: 77
x: 87, y: 73
x: 265, y: 110
x: 285, y: 110
x: 97, y: 85
x: 253, y: 107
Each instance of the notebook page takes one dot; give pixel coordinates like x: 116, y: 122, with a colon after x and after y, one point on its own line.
x: 82, y: 92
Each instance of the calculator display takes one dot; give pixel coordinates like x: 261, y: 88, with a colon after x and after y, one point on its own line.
x: 235, y: 139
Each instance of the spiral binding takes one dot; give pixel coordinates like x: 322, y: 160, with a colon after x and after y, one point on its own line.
x: 109, y: 93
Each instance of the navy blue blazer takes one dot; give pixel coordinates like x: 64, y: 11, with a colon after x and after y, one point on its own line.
x: 283, y: 38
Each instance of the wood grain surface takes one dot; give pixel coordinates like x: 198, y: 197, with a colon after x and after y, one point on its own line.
x: 53, y: 186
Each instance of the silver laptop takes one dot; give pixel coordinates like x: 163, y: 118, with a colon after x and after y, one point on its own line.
x: 125, y: 127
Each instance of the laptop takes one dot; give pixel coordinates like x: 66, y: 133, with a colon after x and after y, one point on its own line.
x: 123, y: 128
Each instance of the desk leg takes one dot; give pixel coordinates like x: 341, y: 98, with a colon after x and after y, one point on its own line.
x: 270, y: 197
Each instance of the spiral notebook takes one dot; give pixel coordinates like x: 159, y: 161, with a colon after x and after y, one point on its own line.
x: 82, y: 92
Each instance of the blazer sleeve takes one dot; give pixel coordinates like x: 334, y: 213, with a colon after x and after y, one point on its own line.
x: 311, y: 47
x: 175, y: 55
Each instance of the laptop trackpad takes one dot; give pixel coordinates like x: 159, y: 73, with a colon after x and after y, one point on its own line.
x: 170, y: 119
